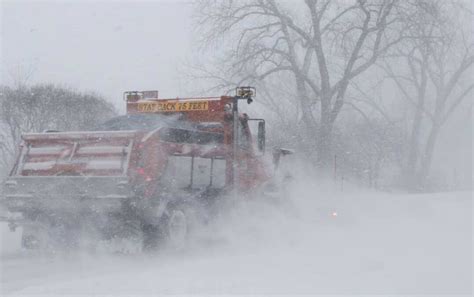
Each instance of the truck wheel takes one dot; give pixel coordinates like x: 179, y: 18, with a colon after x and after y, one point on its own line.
x: 151, y: 237
x: 30, y: 242
x: 35, y: 238
x: 154, y: 233
x: 177, y: 229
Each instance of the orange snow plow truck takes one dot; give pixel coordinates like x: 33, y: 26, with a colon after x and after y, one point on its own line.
x: 146, y: 174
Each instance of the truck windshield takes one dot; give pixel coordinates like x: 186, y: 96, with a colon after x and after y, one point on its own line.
x: 140, y: 122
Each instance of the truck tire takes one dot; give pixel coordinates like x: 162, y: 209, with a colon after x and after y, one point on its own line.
x: 48, y: 238
x: 152, y: 237
x: 154, y: 233
x: 31, y: 239
x: 171, y: 231
x: 36, y: 233
x: 177, y: 229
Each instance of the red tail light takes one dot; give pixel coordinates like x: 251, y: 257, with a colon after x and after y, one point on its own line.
x: 141, y: 171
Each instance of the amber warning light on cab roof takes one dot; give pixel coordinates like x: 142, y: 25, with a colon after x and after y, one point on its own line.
x: 134, y: 96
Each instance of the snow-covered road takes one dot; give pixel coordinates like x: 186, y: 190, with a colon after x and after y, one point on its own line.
x: 377, y: 244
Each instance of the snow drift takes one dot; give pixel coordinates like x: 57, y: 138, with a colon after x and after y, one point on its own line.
x: 316, y: 241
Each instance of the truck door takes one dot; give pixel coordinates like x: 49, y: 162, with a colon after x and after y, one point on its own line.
x: 193, y: 173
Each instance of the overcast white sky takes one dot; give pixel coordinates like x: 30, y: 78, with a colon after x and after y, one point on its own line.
x: 102, y: 46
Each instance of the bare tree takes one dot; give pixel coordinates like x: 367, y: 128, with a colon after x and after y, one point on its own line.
x: 434, y: 78
x: 324, y: 45
x: 42, y: 107
x: 367, y: 144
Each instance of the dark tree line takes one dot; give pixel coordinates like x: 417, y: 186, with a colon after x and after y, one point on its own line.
x: 45, y: 107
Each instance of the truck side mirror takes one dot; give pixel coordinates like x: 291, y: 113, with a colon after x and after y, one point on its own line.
x: 261, y: 136
x: 278, y: 152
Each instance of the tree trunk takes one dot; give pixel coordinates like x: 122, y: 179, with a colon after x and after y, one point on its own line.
x: 307, y: 118
x: 428, y: 155
x: 411, y: 177
x: 325, y: 154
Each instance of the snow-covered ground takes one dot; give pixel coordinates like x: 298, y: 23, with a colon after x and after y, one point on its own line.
x: 317, y: 242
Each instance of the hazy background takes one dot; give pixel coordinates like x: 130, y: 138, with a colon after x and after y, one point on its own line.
x: 103, y: 46
x: 112, y: 46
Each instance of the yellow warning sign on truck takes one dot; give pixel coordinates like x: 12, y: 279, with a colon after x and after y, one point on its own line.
x: 172, y: 106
